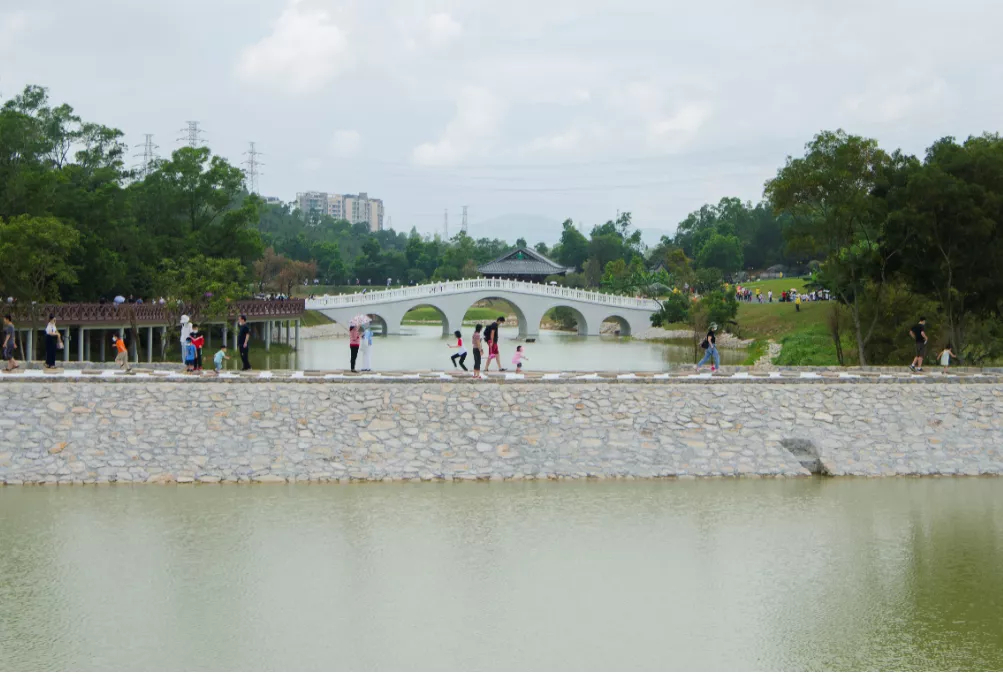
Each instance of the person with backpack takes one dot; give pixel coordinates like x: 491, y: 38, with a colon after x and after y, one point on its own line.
x: 709, y: 345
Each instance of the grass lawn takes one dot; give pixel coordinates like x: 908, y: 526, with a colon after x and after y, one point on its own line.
x: 772, y: 321
x: 312, y: 318
x: 777, y: 285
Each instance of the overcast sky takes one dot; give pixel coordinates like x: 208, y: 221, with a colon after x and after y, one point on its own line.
x: 555, y: 108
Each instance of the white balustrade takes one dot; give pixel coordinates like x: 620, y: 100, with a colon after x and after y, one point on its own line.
x: 430, y: 290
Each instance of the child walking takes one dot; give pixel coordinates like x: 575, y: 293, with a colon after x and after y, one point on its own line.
x: 517, y: 359
x: 945, y: 357
x: 477, y: 351
x: 461, y: 352
x: 218, y: 359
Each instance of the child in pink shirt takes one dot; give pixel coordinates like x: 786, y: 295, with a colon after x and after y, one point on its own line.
x: 518, y: 358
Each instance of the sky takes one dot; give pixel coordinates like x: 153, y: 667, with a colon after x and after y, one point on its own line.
x: 534, y: 110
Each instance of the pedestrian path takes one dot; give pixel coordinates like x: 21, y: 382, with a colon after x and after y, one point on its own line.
x: 884, y: 375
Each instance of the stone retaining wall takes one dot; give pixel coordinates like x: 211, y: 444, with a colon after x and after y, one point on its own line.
x: 196, y: 431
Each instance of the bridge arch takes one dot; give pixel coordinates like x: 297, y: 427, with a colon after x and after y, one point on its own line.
x: 623, y: 323
x: 447, y: 327
x: 581, y: 321
x: 520, y: 315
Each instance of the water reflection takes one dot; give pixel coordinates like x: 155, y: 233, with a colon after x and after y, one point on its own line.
x: 424, y: 348
x: 736, y: 574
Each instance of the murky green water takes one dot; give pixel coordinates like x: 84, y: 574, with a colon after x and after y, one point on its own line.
x: 424, y: 348
x: 716, y: 574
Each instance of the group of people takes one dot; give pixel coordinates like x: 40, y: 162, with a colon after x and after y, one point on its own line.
x: 193, y: 341
x: 484, y: 340
x: 744, y: 294
x: 918, y: 333
x: 488, y: 339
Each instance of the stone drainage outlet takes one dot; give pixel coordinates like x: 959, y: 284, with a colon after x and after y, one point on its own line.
x: 806, y: 453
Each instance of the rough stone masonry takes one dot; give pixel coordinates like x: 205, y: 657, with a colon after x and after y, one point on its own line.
x: 162, y: 431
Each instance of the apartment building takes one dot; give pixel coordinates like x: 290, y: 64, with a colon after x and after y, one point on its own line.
x: 355, y: 208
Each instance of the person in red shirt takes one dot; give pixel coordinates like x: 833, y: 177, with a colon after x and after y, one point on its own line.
x: 198, y: 341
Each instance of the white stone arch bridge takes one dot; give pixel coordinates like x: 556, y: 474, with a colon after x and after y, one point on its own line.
x: 529, y: 300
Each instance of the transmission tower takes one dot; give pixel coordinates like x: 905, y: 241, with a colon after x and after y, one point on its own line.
x: 463, y: 227
x: 149, y: 156
x: 390, y: 222
x: 445, y: 225
x: 192, y: 137
x: 251, y: 172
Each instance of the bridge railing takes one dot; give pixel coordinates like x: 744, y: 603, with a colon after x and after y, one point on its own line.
x: 430, y: 290
x: 150, y: 313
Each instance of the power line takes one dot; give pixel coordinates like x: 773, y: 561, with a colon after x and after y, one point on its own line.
x: 149, y: 156
x: 193, y: 136
x: 251, y: 173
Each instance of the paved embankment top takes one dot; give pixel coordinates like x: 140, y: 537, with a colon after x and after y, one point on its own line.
x: 728, y: 375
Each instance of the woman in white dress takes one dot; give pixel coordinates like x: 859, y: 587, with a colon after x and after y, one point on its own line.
x: 367, y: 349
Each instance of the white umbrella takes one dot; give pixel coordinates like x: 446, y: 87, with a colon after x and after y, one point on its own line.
x: 361, y: 319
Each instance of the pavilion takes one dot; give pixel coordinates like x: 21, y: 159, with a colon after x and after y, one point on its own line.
x: 523, y: 264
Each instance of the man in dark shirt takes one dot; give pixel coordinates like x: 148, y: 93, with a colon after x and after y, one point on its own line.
x: 918, y: 333
x: 244, y: 341
x: 491, y: 339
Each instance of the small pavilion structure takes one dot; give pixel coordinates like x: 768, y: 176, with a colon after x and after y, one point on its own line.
x: 523, y: 264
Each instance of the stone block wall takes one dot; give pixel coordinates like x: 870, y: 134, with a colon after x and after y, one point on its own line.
x: 254, y: 431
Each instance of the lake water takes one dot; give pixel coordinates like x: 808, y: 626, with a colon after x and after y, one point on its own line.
x: 424, y: 348
x: 717, y: 574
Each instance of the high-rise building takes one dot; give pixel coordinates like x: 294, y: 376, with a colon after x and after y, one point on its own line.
x: 355, y: 208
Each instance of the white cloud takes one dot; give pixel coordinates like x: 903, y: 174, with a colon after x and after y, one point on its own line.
x: 442, y: 29
x: 667, y: 127
x: 304, y: 50
x: 886, y: 102
x: 346, y: 143
x: 478, y: 115
x: 580, y: 138
x: 11, y: 26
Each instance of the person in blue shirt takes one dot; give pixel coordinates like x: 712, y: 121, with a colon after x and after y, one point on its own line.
x: 189, y: 355
x: 218, y: 359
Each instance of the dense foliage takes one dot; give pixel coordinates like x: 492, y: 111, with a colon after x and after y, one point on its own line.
x: 889, y: 234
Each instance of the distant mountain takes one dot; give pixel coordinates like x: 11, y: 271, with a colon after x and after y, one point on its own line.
x: 509, y: 228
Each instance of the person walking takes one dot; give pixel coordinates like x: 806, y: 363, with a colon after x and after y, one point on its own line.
x: 53, y: 341
x: 461, y: 351
x: 354, y: 340
x: 244, y: 342
x: 945, y: 357
x: 918, y: 333
x: 8, y: 344
x: 491, y: 337
x: 517, y: 359
x: 770, y: 295
x: 122, y: 353
x: 476, y: 344
x: 709, y: 346
x: 797, y: 302
x: 367, y: 349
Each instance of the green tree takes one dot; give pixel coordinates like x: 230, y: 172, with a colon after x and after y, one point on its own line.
x: 945, y: 220
x: 837, y: 212
x: 34, y: 254
x: 573, y: 249
x: 721, y: 252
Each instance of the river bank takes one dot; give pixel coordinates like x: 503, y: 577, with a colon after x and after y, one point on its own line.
x: 91, y: 432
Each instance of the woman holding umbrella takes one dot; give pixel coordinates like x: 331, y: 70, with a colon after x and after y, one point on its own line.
x: 355, y: 337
